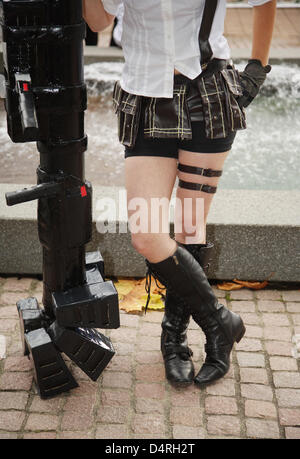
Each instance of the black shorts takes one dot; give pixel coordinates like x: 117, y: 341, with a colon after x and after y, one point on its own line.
x: 169, y: 147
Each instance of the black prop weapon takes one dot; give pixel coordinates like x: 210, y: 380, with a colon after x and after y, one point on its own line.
x: 45, y: 102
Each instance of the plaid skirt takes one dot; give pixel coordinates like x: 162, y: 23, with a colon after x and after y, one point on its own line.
x: 211, y: 97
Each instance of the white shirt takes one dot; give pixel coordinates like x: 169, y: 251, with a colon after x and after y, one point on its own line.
x: 117, y: 33
x: 161, y: 35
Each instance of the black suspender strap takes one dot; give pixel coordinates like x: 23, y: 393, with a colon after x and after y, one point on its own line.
x: 205, y: 29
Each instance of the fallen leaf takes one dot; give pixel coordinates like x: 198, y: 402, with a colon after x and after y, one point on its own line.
x: 155, y: 302
x: 252, y: 285
x: 124, y: 287
x: 229, y: 286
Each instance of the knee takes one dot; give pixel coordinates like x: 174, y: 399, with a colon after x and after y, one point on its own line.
x: 144, y: 244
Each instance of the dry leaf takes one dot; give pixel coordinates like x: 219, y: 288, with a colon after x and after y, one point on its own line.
x: 124, y: 287
x: 155, y: 302
x: 252, y: 285
x: 229, y: 286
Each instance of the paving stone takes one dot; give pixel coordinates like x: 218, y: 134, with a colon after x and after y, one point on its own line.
x: 242, y: 306
x: 51, y: 406
x: 149, y: 405
x: 149, y: 343
x: 260, y: 409
x: 8, y: 325
x: 8, y: 436
x: 292, y: 433
x: 150, y: 390
x: 79, y: 435
x: 249, y: 359
x: 16, y: 381
x: 256, y: 392
x: 13, y: 284
x: 250, y: 318
x: 3, y: 344
x: 222, y: 387
x: 150, y: 373
x: 11, y: 420
x: 242, y: 294
x: 124, y: 335
x: 117, y: 379
x: 270, y: 306
x: 296, y: 319
x: 83, y: 405
x: 43, y: 422
x: 8, y: 312
x: 127, y: 320
x: 187, y: 416
x: 144, y: 424
x: 253, y: 332
x: 261, y: 428
x: 223, y: 425
x: 185, y: 432
x: 288, y: 397
x: 185, y: 398
x: 17, y: 363
x: 291, y: 295
x: 124, y: 348
x: 289, y: 416
x: 111, y: 431
x: 276, y: 319
x: 268, y: 294
x: 117, y: 397
x: 249, y: 344
x: 280, y: 348
x: 286, y: 379
x: 150, y: 329
x: 221, y: 405
x: 39, y: 436
x: 113, y: 414
x: 273, y: 332
x: 293, y: 307
x: 153, y: 316
x: 283, y: 363
x: 77, y: 421
x: 13, y: 400
x: 148, y: 358
x: 121, y: 363
x: 254, y: 375
x: 10, y: 298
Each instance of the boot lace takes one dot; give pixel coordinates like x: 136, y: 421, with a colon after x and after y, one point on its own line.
x: 149, y: 274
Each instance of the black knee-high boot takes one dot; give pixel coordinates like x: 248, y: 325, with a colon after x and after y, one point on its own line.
x: 174, y: 345
x: 185, y: 278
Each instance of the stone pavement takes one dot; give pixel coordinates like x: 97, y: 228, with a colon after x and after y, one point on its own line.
x: 258, y: 398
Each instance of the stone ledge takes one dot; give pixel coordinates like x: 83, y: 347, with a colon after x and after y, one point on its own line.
x: 255, y: 233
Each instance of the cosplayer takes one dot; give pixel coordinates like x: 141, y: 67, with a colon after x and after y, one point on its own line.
x: 180, y: 102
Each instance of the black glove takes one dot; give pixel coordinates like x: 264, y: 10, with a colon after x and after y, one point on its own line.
x: 252, y: 79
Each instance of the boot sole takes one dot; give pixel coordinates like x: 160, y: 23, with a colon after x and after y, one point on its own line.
x: 180, y: 384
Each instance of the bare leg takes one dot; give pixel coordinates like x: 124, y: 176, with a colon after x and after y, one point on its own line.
x: 213, y: 161
x: 149, y: 179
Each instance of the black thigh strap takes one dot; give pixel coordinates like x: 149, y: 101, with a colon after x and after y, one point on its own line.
x: 197, y: 186
x: 199, y: 170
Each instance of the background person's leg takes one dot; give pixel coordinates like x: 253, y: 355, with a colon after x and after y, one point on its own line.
x: 150, y: 178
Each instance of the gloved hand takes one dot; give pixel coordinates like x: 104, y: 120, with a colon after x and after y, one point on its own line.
x: 252, y: 79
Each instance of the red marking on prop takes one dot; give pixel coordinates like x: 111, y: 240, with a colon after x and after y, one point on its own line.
x: 25, y: 87
x: 83, y: 191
